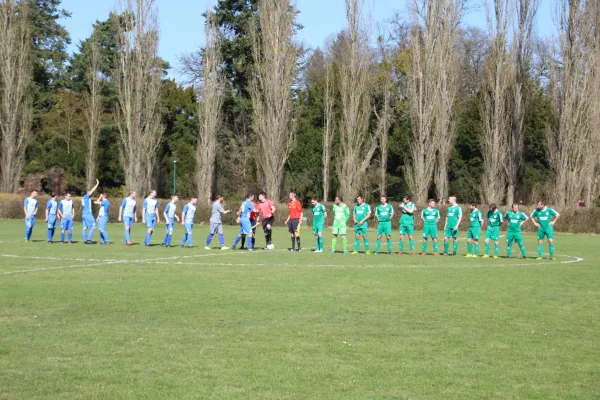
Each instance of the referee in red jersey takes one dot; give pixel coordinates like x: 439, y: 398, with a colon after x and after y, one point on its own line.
x: 294, y: 220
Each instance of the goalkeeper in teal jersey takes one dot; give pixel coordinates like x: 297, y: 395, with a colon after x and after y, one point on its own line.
x: 515, y: 219
x: 341, y: 215
x: 407, y: 223
x: 453, y: 220
x: 384, y: 213
x: 475, y: 224
x: 430, y: 217
x: 361, y: 215
x: 544, y: 218
x: 319, y: 214
x: 494, y: 217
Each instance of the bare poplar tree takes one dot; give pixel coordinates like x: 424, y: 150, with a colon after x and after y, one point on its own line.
x: 92, y: 99
x: 209, y: 110
x: 432, y: 86
x: 329, y: 129
x: 138, y: 76
x: 449, y: 14
x: 571, y: 137
x: 496, y: 107
x: 15, y: 91
x: 385, y: 87
x: 526, y: 11
x: 275, y: 57
x: 357, y: 144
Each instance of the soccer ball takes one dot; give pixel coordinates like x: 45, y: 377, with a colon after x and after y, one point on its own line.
x: 270, y: 247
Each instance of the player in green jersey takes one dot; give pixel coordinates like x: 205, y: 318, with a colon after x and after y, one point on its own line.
x: 407, y: 223
x: 546, y: 218
x: 453, y: 219
x: 515, y: 219
x: 341, y: 215
x: 430, y: 217
x: 319, y: 215
x: 475, y: 224
x: 384, y: 213
x: 494, y: 217
x: 361, y: 215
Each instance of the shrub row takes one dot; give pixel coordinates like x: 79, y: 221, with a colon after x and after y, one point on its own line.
x: 582, y: 220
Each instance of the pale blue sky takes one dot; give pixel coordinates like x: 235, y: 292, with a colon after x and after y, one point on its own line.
x: 181, y: 22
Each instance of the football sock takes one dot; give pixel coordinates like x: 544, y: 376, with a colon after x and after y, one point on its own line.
x: 249, y: 242
x: 298, y: 241
x: 70, y: 236
x: 377, y: 245
x: 127, y: 236
x: 243, y: 241
x: 101, y: 237
x: 469, y: 247
x: 402, y: 245
x: 83, y: 236
x: 147, y: 240
x: 412, y: 245
x: 237, y: 240
x: 366, y: 242
x: 540, y: 250
x: 169, y: 238
x: 435, y: 247
x: 487, y: 249
x: 509, y: 249
x: 344, y: 243
x: 455, y: 247
x: 49, y: 235
x: 551, y: 249
x: 293, y: 243
x: 390, y: 244
x: 190, y: 240
x: 356, y: 245
x: 446, y: 245
x: 334, y: 244
x: 222, y: 240
x: 62, y: 236
x: 317, y: 242
x: 523, y: 252
x: 184, y: 239
x: 424, y: 247
x: 496, y: 250
x: 209, y: 239
x: 476, y: 248
x: 91, y: 234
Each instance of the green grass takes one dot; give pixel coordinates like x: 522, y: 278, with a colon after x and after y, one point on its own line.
x: 110, y: 322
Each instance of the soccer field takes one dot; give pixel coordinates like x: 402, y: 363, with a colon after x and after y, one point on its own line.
x: 116, y: 322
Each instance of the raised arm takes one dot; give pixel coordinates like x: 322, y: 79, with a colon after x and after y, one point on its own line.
x: 92, y: 190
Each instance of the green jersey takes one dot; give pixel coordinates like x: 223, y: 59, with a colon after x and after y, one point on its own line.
x: 319, y: 214
x: 544, y: 216
x: 361, y: 211
x: 514, y: 220
x: 454, y: 214
x: 430, y: 216
x: 407, y: 218
x: 494, y: 218
x: 341, y: 213
x: 475, y: 218
x: 384, y: 213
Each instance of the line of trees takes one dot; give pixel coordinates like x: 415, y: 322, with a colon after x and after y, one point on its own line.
x: 426, y: 105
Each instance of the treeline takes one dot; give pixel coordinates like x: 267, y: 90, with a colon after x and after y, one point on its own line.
x: 426, y: 105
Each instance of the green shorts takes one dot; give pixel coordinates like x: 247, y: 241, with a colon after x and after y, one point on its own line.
x: 339, y: 228
x: 514, y: 237
x: 384, y: 228
x: 493, y: 233
x: 407, y: 230
x: 546, y: 232
x: 430, y: 231
x: 361, y: 229
x: 318, y: 228
x: 451, y: 233
x: 474, y: 233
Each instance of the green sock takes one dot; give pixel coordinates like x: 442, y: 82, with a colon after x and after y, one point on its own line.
x: 317, y: 241
x: 424, y: 247
x: 469, y: 247
x: 356, y: 244
x: 455, y: 247
x: 321, y: 242
x: 402, y: 245
x: 509, y: 249
x: 446, y: 245
x: 344, y: 243
x: 390, y: 248
x: 496, y: 250
x: 334, y: 244
x: 551, y: 249
x: 366, y: 244
x: 377, y: 245
x: 476, y: 248
x: 412, y: 246
x: 540, y: 250
x: 487, y: 249
x: 435, y: 247
x: 523, y: 252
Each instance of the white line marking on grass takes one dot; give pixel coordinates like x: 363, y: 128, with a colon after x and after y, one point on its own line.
x: 48, y: 258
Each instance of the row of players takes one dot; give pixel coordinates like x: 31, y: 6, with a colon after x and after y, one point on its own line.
x: 249, y: 216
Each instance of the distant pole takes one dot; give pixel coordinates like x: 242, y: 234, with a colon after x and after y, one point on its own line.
x: 174, y: 176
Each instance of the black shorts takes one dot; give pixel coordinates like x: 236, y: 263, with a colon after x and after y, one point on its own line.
x: 268, y: 221
x: 293, y: 225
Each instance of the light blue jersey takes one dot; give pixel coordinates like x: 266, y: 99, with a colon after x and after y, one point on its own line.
x: 66, y: 208
x: 128, y: 205
x: 189, y: 212
x: 247, y: 208
x: 31, y: 206
x: 86, y: 205
x: 104, y: 207
x: 52, y: 207
x: 170, y: 211
x: 150, y: 205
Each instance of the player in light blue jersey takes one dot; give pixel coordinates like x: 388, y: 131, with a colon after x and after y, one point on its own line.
x: 187, y: 219
x: 30, y: 207
x: 87, y: 216
x: 150, y: 216
x: 170, y: 217
x: 66, y: 213
x: 243, y: 219
x: 127, y: 215
x: 51, y: 216
x: 102, y: 218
